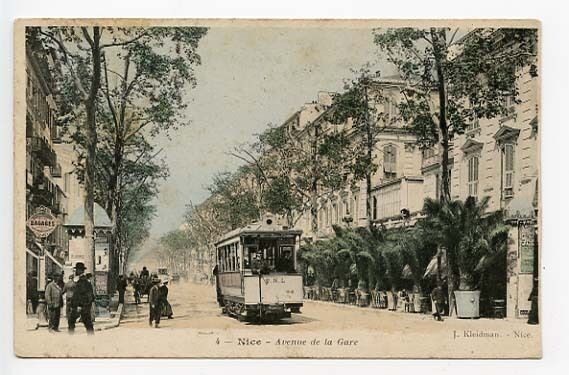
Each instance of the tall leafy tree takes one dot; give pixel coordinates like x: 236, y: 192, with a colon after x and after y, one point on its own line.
x: 298, y: 167
x: 138, y: 78
x: 359, y: 104
x: 235, y: 198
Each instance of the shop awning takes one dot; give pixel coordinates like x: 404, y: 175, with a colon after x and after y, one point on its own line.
x: 50, y: 256
x: 32, y: 253
x: 100, y: 217
x: 432, y: 267
x: 524, y: 203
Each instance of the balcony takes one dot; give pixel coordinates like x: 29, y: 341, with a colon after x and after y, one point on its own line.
x: 391, y: 197
x: 43, y: 151
x: 430, y: 160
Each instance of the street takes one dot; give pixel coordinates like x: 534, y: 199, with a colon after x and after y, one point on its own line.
x: 195, y: 306
x: 325, y: 329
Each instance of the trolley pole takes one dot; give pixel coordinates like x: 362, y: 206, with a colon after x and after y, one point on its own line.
x: 260, y: 297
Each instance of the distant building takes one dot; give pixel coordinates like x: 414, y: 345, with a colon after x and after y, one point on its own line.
x: 397, y: 183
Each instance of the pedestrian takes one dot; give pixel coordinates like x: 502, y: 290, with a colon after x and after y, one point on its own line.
x: 144, y: 273
x: 54, y: 301
x: 68, y: 289
x: 32, y: 290
x: 136, y: 284
x: 166, y: 307
x: 219, y: 295
x: 404, y: 300
x: 438, y: 298
x: 154, y: 301
x: 121, y: 288
x: 81, y: 301
x: 89, y: 277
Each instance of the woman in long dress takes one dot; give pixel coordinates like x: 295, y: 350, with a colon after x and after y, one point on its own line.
x: 166, y: 307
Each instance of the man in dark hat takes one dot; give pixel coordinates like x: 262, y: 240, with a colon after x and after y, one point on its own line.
x: 155, y: 303
x: 81, y: 301
x: 121, y: 288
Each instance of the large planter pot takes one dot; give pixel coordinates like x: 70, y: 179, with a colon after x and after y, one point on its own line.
x: 467, y: 303
x: 391, y: 301
x: 425, y: 304
x: 417, y: 305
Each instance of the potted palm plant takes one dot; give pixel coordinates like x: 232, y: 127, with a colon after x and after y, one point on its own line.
x: 468, y: 234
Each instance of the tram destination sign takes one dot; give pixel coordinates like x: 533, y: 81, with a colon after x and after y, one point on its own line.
x: 42, y: 222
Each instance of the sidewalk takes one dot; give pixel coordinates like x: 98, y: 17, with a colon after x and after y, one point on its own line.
x: 106, y: 319
x: 413, y: 316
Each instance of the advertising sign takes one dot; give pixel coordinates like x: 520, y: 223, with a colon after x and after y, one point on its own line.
x: 526, y: 247
x: 42, y: 223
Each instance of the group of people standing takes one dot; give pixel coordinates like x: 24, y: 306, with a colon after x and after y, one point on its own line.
x: 158, y: 302
x: 79, y: 295
x: 157, y: 291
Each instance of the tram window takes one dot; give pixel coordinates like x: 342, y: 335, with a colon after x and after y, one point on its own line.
x: 249, y: 254
x: 285, y: 261
x: 230, y: 256
x: 229, y: 265
x: 219, y: 260
x: 237, y: 259
x: 226, y: 257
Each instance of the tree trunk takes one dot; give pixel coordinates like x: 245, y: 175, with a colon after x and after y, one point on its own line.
x: 314, y: 210
x: 114, y: 209
x: 439, y: 52
x: 369, y: 156
x: 91, y: 148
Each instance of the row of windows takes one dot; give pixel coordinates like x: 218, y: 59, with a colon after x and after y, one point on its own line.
x: 334, y: 212
x: 228, y: 258
x: 37, y: 100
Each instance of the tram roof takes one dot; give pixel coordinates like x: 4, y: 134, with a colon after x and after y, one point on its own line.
x: 258, y: 228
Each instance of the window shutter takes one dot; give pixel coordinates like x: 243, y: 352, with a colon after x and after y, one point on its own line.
x: 508, y: 169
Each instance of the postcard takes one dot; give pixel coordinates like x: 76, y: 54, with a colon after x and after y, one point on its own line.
x: 214, y: 188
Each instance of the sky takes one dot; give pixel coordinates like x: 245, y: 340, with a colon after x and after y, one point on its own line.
x: 249, y: 78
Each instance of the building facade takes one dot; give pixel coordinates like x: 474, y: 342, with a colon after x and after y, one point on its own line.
x: 43, y: 170
x: 496, y: 158
x: 51, y: 181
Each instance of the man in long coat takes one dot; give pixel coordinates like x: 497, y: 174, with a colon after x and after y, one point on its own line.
x: 81, y: 301
x: 121, y: 288
x: 54, y: 301
x: 155, y: 303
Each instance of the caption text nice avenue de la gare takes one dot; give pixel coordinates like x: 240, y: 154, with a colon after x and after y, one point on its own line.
x: 247, y: 341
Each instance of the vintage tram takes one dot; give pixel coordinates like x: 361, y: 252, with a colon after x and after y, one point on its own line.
x: 255, y: 271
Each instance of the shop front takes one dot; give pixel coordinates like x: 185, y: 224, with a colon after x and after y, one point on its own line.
x: 522, y: 258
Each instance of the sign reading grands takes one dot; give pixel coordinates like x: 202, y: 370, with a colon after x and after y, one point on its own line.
x: 42, y: 222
